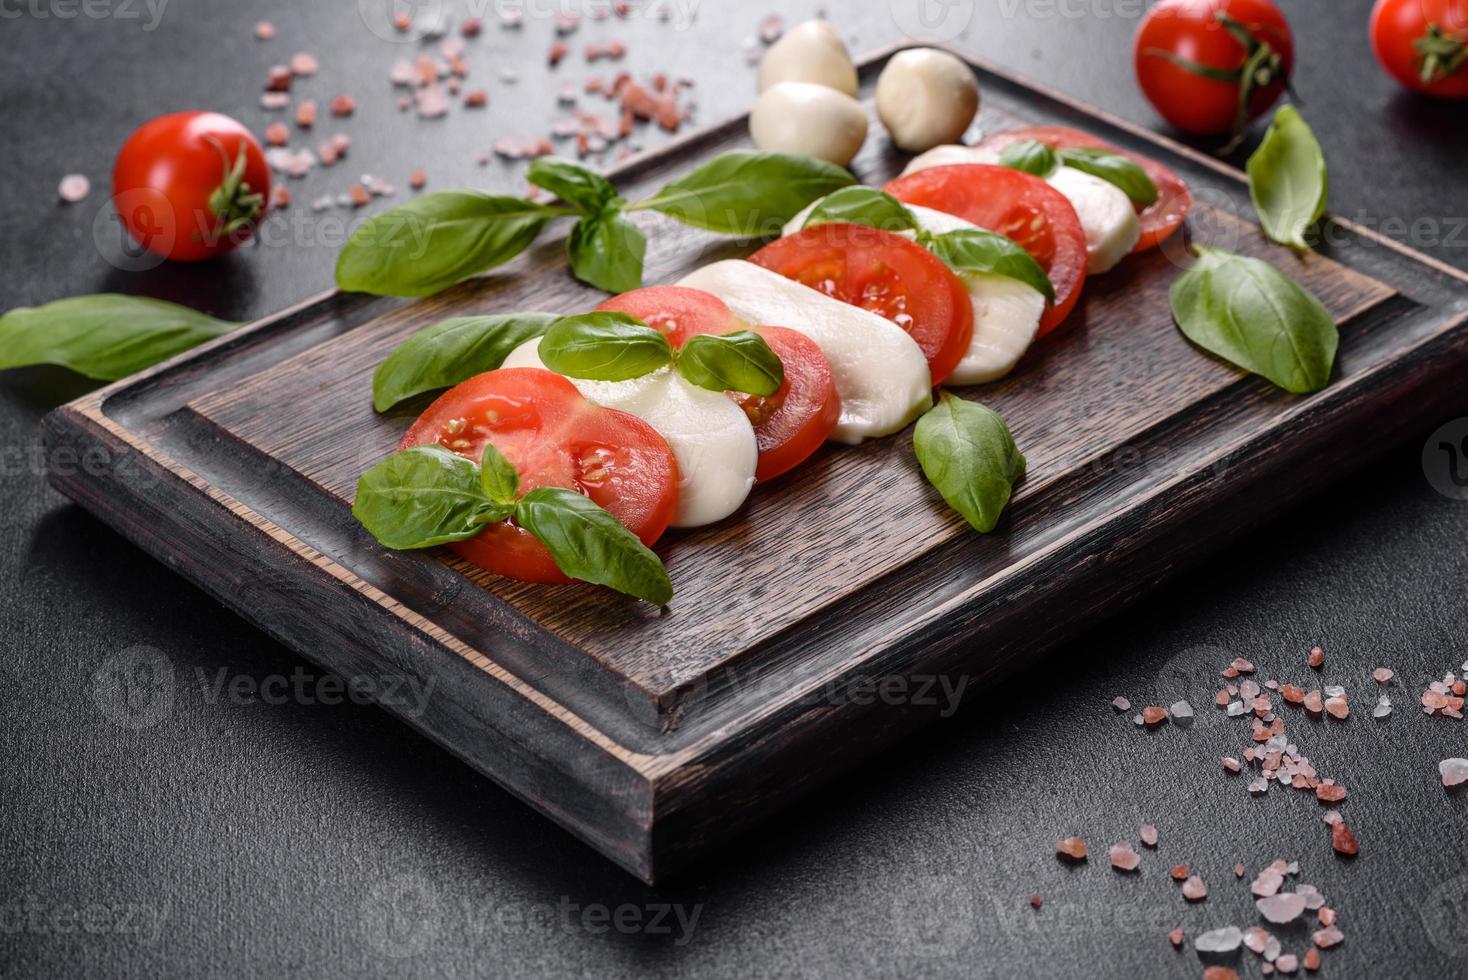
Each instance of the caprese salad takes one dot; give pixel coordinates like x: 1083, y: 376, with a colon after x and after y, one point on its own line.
x: 566, y: 446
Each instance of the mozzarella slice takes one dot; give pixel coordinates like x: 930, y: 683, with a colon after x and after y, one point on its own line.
x: 1106, y: 213
x: 709, y: 434
x: 879, y: 371
x: 1006, y: 311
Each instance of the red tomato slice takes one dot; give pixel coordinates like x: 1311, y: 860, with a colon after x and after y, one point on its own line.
x: 555, y: 438
x: 1014, y: 204
x: 887, y: 274
x: 1158, y: 219
x: 788, y: 425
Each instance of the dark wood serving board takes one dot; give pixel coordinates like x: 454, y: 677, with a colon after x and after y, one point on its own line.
x: 655, y: 737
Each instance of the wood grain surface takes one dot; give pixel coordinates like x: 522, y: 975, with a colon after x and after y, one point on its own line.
x: 654, y: 736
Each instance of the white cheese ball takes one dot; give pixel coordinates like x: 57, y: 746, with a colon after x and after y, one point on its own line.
x: 925, y: 98
x: 812, y: 52
x: 801, y: 117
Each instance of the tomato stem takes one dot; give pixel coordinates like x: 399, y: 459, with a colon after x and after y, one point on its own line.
x: 233, y: 202
x: 1440, y: 55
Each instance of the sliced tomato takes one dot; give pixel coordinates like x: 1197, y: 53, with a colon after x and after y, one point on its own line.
x: 1159, y: 219
x: 1014, y: 204
x: 887, y: 274
x: 555, y: 438
x: 788, y: 425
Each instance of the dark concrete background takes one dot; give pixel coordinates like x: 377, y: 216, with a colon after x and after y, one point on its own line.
x: 233, y: 836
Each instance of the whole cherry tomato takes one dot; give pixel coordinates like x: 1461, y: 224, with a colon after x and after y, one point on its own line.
x: 1212, y: 66
x: 1423, y: 44
x: 190, y: 185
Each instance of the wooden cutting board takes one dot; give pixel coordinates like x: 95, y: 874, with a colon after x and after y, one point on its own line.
x: 845, y: 603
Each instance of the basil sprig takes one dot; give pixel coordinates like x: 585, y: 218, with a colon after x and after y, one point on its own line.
x: 105, y: 337
x: 1114, y: 169
x: 1287, y: 179
x: 451, y: 351
x: 436, y: 240
x: 1030, y: 156
x: 439, y: 239
x: 611, y: 346
x: 1254, y: 316
x: 977, y: 250
x: 427, y: 496
x: 968, y: 454
x: 862, y: 206
x: 604, y: 346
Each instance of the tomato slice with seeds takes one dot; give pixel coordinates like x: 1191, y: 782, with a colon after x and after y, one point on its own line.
x: 1159, y: 219
x: 555, y: 438
x: 1017, y: 205
x: 788, y: 425
x: 887, y: 274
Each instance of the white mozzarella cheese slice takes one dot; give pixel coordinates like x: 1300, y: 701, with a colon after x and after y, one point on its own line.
x: 1106, y: 213
x: 879, y: 371
x: 709, y: 434
x: 1007, y: 312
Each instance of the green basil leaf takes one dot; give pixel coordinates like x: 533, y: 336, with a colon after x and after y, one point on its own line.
x: 106, y: 337
x: 977, y: 250
x: 578, y: 186
x: 748, y: 193
x: 1287, y: 179
x: 1030, y: 156
x: 739, y: 361
x: 966, y: 451
x: 1114, y: 169
x: 422, y: 497
x: 862, y: 206
x: 1254, y: 316
x: 497, y: 477
x: 436, y: 240
x: 604, y: 346
x: 606, y: 251
x: 590, y: 544
x: 451, y: 351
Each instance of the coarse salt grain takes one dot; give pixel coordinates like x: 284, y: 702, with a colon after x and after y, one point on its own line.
x: 1194, y: 890
x: 1073, y: 848
x: 1124, y: 857
x: 1454, y: 772
x: 73, y: 188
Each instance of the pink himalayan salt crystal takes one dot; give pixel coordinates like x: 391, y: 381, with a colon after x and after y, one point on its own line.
x: 1149, y: 835
x: 1454, y: 772
x: 1282, y: 908
x: 1194, y: 890
x: 1288, y: 963
x: 1231, y: 764
x: 1176, y: 936
x: 1124, y: 857
x: 73, y: 188
x: 1328, y: 937
x: 1383, y: 674
x: 1073, y: 848
x: 1256, y: 939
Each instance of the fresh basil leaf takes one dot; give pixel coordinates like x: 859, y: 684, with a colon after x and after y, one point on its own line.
x: 1030, y: 156
x: 748, y: 193
x: 604, y: 346
x: 862, y: 206
x: 424, y: 496
x: 106, y: 336
x: 451, y: 351
x: 977, y: 250
x: 436, y: 240
x: 578, y: 186
x: 606, y: 251
x: 1254, y: 316
x: 1114, y: 169
x: 739, y: 361
x: 590, y: 544
x: 1287, y: 179
x: 966, y: 451
x: 497, y: 477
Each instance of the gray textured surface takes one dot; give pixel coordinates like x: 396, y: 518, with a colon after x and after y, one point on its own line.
x: 241, y: 837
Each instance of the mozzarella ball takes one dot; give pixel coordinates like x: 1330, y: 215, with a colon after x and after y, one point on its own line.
x: 812, y: 52
x: 800, y: 117
x: 926, y: 97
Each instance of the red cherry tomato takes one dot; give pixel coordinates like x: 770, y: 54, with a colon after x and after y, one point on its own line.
x: 788, y: 425
x: 1423, y: 44
x: 1211, y: 66
x: 1158, y: 220
x: 555, y: 438
x: 190, y: 185
x: 887, y: 274
x: 1014, y: 204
